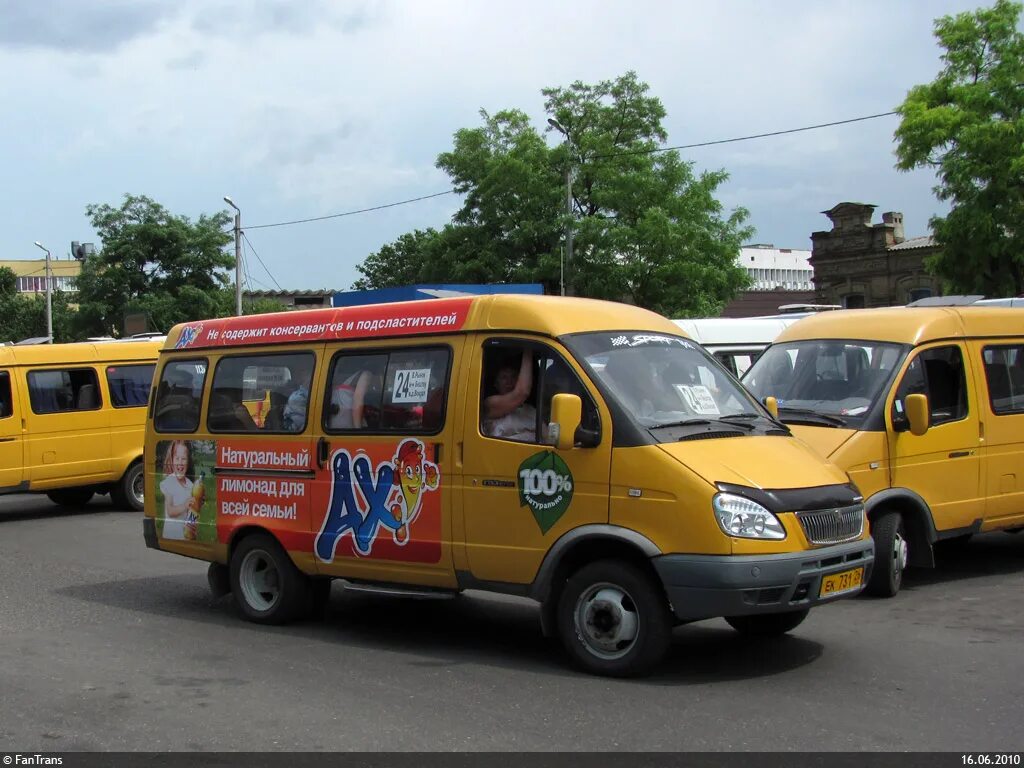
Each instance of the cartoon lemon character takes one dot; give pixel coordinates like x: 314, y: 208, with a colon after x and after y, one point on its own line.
x: 414, y: 476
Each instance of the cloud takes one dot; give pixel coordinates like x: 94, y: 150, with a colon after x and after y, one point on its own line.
x: 81, y: 27
x: 230, y: 19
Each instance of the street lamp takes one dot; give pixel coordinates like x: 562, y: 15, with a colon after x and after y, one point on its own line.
x: 238, y: 254
x: 567, y: 262
x: 49, y: 306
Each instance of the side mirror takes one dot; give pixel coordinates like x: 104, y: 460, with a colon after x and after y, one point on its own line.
x: 773, y: 406
x: 917, y: 413
x: 566, y: 415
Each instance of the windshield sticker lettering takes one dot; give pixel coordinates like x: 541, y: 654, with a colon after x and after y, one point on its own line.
x: 699, y: 399
x: 641, y: 340
x: 545, y: 486
x: 411, y: 386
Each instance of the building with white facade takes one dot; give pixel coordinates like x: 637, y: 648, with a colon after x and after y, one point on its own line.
x: 772, y: 268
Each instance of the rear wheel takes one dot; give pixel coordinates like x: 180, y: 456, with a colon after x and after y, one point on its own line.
x: 768, y: 624
x: 613, y: 619
x: 891, y: 553
x: 267, y: 586
x: 71, y: 497
x: 128, y: 493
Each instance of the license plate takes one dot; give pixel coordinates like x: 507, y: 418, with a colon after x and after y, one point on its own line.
x: 837, y: 583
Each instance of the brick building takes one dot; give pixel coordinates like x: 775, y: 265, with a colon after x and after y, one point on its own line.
x: 860, y: 264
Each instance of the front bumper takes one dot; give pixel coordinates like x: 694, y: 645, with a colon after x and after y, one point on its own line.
x: 707, y: 586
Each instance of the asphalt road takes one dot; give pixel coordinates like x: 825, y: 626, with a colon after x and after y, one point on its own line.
x: 105, y: 645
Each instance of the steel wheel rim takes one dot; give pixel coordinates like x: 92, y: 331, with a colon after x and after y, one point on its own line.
x: 899, y: 557
x: 138, y: 488
x: 607, y: 621
x: 260, y: 580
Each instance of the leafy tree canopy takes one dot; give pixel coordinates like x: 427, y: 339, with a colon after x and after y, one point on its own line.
x: 154, y: 262
x: 647, y: 228
x: 968, y: 125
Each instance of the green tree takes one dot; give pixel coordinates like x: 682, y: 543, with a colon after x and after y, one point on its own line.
x: 154, y: 262
x: 647, y: 228
x: 23, y: 317
x: 968, y: 125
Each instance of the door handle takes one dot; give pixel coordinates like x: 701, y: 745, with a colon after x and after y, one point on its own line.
x: 323, y: 452
x: 960, y: 454
x: 7, y: 439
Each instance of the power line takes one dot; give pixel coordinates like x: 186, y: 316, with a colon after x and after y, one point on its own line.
x: 595, y: 157
x: 350, y: 213
x: 745, y: 138
x: 253, y: 249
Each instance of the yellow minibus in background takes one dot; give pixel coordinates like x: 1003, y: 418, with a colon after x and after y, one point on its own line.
x: 72, y: 420
x: 923, y: 406
x: 584, y: 454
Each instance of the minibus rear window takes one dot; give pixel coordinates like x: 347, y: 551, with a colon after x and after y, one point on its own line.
x: 129, y: 384
x: 1004, y: 374
x: 179, y: 396
x: 400, y: 391
x: 261, y: 393
x: 59, y: 391
x: 6, y: 401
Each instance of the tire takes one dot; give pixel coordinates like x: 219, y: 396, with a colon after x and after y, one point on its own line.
x: 129, y: 491
x: 890, y: 555
x: 266, y: 585
x: 614, y: 619
x: 71, y: 497
x: 768, y: 624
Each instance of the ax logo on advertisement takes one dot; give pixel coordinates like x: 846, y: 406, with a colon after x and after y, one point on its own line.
x: 364, y: 501
x: 188, y: 336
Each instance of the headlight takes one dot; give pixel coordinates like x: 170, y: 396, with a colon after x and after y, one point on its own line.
x: 746, y: 519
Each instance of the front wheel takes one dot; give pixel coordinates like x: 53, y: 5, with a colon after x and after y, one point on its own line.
x: 267, y: 586
x: 891, y: 552
x: 768, y: 624
x: 128, y: 493
x: 613, y: 619
x: 71, y: 497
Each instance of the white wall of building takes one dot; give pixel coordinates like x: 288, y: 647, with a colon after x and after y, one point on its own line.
x: 770, y: 268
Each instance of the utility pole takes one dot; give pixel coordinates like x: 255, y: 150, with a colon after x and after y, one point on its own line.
x: 238, y: 254
x: 49, y: 305
x: 567, y: 258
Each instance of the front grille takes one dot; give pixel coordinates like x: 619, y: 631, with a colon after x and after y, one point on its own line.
x: 833, y: 526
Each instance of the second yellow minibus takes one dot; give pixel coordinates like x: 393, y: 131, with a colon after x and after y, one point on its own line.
x: 72, y: 420
x: 584, y: 454
x: 924, y: 407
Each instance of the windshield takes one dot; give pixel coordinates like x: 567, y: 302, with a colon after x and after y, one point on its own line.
x: 836, y: 380
x: 664, y: 380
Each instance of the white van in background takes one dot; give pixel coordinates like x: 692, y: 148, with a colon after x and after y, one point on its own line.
x: 737, y: 342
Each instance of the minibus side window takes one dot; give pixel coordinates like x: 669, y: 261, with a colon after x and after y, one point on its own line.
x: 550, y: 375
x: 129, y: 384
x: 59, y: 391
x: 393, y: 391
x: 939, y: 374
x: 6, y: 398
x: 179, y: 396
x: 261, y: 393
x: 1004, y: 375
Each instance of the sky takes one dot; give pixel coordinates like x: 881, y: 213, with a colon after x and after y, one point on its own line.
x: 306, y: 109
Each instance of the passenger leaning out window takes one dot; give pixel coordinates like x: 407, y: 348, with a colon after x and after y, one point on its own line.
x: 506, y: 413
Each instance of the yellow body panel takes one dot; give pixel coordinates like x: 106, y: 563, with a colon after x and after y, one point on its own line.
x: 47, y: 451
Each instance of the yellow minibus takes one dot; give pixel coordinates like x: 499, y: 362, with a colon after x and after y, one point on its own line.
x: 72, y: 420
x: 581, y: 453
x: 924, y: 407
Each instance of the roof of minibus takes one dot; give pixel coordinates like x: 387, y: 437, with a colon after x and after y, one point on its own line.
x: 545, y: 315
x: 908, y: 325
x: 61, y: 354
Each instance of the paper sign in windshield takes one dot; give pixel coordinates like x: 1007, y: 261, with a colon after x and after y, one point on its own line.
x: 698, y: 399
x: 411, y: 386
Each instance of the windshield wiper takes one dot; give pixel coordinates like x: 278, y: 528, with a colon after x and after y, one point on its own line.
x: 816, y: 416
x: 700, y: 422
